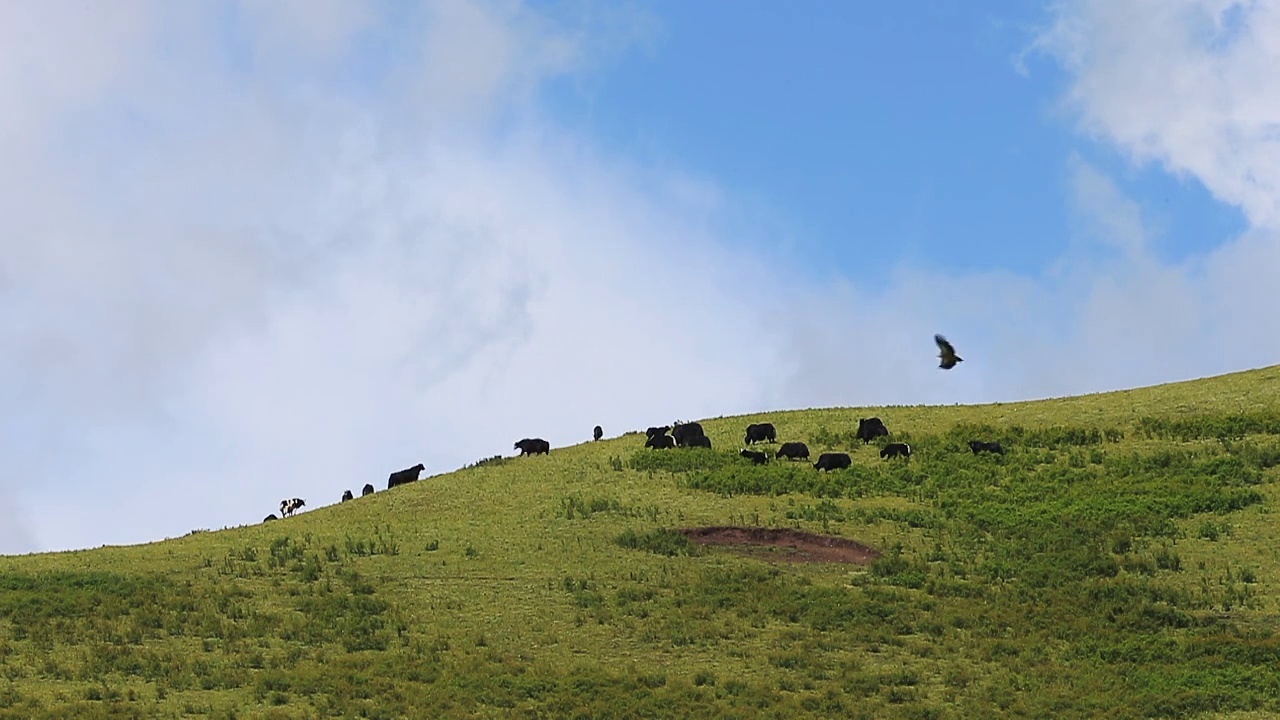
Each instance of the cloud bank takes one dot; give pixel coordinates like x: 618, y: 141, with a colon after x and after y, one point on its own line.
x: 233, y: 277
x: 260, y: 250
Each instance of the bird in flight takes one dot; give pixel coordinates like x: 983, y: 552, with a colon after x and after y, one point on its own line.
x: 948, y: 354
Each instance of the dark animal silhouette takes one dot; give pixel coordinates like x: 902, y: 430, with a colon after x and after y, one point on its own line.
x: 761, y: 432
x: 978, y: 446
x: 698, y: 441
x: 657, y: 431
x: 288, y: 507
x: 533, y: 446
x: 793, y: 451
x: 346, y: 495
x: 403, y: 477
x: 685, y: 432
x: 896, y: 450
x: 947, y: 354
x: 597, y: 433
x: 755, y: 456
x: 660, y: 442
x: 368, y: 489
x: 270, y: 517
x: 871, y: 428
x: 833, y: 461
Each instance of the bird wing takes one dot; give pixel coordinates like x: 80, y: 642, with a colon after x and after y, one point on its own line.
x: 948, y: 352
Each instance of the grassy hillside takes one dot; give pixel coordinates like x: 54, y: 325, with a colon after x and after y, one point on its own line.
x: 1119, y: 561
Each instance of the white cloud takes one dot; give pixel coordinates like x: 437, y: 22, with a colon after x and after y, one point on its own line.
x: 230, y: 278
x: 238, y: 293
x: 1186, y: 83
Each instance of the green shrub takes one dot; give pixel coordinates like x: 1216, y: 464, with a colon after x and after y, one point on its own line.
x: 661, y: 541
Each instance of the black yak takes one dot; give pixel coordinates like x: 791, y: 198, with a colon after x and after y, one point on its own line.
x: 833, y: 461
x: 793, y: 451
x: 660, y: 442
x: 755, y: 456
x: 761, y: 432
x: 698, y: 441
x: 683, y: 433
x: 871, y: 428
x: 533, y: 446
x: 402, y: 477
x: 896, y: 450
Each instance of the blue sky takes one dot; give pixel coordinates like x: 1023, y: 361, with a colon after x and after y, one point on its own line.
x: 261, y: 249
x: 881, y: 132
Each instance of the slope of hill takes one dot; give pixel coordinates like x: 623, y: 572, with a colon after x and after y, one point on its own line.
x: 1119, y: 560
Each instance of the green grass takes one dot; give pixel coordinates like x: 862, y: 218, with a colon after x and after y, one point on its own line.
x: 1121, y: 560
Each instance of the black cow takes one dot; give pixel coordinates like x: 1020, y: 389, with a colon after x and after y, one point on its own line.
x: 686, y: 432
x: 597, y: 433
x: 793, y: 451
x: 533, y: 446
x: 698, y: 441
x: 832, y: 461
x: 270, y: 517
x: 896, y: 450
x: 755, y: 456
x: 403, y: 477
x: 368, y: 489
x: 657, y: 431
x: 762, y: 432
x: 871, y: 428
x: 288, y: 507
x: 978, y: 446
x: 347, y: 496
x: 660, y: 442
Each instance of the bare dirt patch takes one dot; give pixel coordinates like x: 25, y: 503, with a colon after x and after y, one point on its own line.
x: 784, y: 544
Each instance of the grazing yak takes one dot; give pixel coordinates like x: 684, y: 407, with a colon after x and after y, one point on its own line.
x: 533, y: 446
x: 871, y: 428
x: 947, y: 353
x: 368, y: 489
x: 653, y: 431
x: 698, y: 441
x: 793, y: 451
x: 755, y: 456
x: 270, y: 517
x: 832, y: 461
x: 896, y: 450
x: 761, y: 432
x: 684, y: 433
x: 597, y: 432
x: 346, y: 495
x: 660, y: 442
x: 978, y: 446
x: 288, y: 507
x: 403, y: 477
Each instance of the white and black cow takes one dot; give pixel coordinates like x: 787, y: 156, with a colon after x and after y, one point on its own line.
x: 287, y: 507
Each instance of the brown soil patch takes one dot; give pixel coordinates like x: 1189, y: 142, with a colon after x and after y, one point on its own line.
x: 785, y: 544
